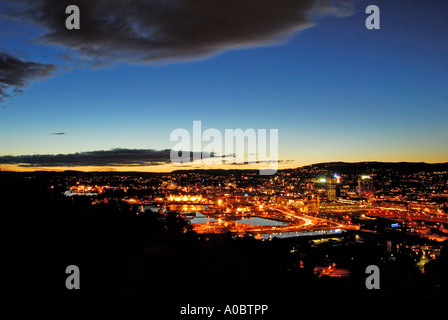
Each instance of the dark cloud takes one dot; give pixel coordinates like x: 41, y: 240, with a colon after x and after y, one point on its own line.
x: 16, y: 74
x: 114, y: 157
x: 104, y: 158
x: 58, y: 133
x: 149, y: 31
x: 166, y: 30
x: 263, y: 162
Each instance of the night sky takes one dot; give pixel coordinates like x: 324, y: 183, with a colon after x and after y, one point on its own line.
x: 136, y: 70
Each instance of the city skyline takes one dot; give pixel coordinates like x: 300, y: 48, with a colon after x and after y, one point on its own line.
x: 335, y: 90
x: 310, y: 232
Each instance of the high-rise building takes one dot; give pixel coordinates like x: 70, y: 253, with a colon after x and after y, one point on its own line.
x: 366, y: 188
x: 331, y: 189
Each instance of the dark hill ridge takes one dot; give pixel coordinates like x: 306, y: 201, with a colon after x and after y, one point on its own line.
x: 340, y: 167
x: 364, y: 167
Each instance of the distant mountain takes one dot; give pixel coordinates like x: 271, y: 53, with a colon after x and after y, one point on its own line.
x: 337, y: 167
x: 346, y: 167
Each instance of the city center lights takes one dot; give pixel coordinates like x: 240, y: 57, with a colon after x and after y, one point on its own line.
x: 185, y: 198
x: 85, y: 190
x: 248, y: 213
x: 337, y: 178
x: 302, y: 223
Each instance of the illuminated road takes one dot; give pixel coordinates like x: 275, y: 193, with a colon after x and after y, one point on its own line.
x: 293, y: 221
x: 312, y: 221
x: 300, y: 223
x: 291, y: 213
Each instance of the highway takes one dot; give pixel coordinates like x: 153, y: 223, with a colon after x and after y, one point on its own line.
x: 300, y: 222
x: 291, y: 213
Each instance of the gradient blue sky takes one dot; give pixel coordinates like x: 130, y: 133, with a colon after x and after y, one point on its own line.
x: 336, y: 91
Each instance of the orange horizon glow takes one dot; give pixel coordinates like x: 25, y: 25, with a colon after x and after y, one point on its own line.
x: 156, y: 168
x: 166, y: 168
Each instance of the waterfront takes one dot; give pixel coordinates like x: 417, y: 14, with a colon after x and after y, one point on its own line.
x: 275, y: 221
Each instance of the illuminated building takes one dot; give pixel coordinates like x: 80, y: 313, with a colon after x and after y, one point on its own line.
x: 185, y: 198
x: 337, y: 178
x: 331, y: 189
x: 365, y: 186
x: 313, y: 203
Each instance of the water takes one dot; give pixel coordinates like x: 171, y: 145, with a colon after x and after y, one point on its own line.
x: 254, y: 221
x: 70, y: 194
x: 290, y: 234
x: 257, y: 221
